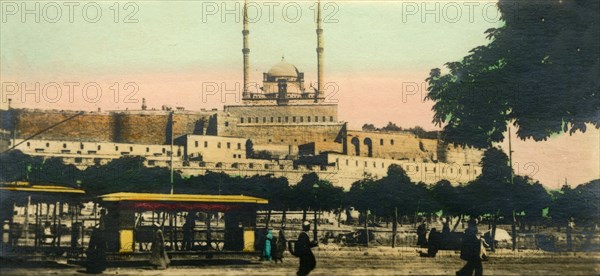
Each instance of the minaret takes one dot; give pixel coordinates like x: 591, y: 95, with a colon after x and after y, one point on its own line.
x: 320, y: 79
x: 246, y: 52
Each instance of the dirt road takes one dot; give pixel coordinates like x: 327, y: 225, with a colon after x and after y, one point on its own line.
x: 348, y: 261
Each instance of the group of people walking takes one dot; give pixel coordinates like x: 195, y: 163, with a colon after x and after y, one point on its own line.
x: 274, y: 247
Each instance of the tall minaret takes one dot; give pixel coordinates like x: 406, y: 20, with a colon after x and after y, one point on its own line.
x: 320, y: 79
x: 246, y: 51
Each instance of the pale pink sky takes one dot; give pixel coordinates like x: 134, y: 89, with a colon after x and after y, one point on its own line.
x: 362, y: 98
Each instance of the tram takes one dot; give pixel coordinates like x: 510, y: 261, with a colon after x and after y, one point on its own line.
x: 192, y: 224
x: 40, y: 218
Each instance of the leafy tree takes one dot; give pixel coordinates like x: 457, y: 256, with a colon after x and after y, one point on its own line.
x: 17, y: 166
x: 581, y: 203
x: 530, y: 198
x: 315, y: 194
x: 546, y: 85
x: 128, y: 174
x: 369, y: 127
x: 391, y: 127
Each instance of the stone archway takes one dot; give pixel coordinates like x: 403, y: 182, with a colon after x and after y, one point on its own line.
x: 369, y: 145
x: 356, y: 144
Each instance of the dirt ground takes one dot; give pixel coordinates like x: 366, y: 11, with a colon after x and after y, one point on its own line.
x: 343, y: 261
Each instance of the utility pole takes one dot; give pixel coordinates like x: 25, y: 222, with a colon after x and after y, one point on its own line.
x: 172, y: 125
x: 512, y: 182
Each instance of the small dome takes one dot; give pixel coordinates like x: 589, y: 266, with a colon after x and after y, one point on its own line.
x: 283, y: 69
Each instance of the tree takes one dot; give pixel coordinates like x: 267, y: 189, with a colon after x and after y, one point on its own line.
x: 391, y: 127
x: 17, y: 166
x: 369, y: 127
x: 581, y: 203
x: 546, y: 85
x: 128, y: 174
x: 313, y: 193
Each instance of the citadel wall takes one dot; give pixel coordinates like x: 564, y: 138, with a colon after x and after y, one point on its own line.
x: 137, y: 127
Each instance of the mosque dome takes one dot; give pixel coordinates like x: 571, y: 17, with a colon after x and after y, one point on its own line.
x: 283, y: 69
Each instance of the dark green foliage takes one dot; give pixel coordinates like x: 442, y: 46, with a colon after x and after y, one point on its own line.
x: 313, y: 193
x: 16, y: 166
x: 581, y: 203
x: 395, y: 190
x: 127, y: 174
x: 540, y: 71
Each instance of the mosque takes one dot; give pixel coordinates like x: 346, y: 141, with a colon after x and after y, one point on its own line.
x: 282, y: 128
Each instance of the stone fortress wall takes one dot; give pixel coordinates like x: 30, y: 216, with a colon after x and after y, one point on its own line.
x: 138, y: 127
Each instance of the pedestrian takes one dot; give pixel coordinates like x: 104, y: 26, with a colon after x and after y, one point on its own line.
x: 96, y: 252
x: 433, y: 243
x: 421, y: 234
x: 188, y: 231
x: 470, y: 251
x: 159, y: 258
x: 280, y: 246
x: 446, y: 226
x: 268, y: 245
x: 302, y: 250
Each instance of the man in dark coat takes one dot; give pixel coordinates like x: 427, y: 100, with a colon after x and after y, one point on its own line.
x: 421, y: 234
x: 302, y: 250
x: 470, y: 251
x: 433, y: 243
x: 280, y: 247
x: 96, y: 252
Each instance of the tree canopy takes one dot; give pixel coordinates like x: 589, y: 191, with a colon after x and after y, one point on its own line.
x: 540, y: 71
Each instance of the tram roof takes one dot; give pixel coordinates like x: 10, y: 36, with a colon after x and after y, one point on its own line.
x: 41, y: 189
x: 182, y: 198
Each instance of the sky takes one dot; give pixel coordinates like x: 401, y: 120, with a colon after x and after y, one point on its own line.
x: 109, y: 55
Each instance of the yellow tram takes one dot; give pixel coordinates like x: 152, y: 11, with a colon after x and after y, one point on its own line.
x: 40, y: 218
x: 191, y: 223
